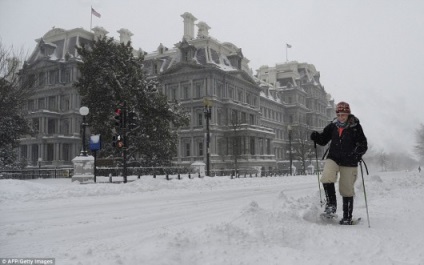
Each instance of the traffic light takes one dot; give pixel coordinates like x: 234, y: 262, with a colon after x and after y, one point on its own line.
x: 117, y: 141
x: 132, y: 120
x: 114, y: 138
x: 120, y: 143
x: 119, y: 118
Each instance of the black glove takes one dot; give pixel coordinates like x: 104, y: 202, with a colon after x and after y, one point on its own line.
x: 359, y: 152
x: 314, y: 136
x: 358, y: 157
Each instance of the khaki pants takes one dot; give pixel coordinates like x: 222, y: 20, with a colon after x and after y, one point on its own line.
x: 347, y: 180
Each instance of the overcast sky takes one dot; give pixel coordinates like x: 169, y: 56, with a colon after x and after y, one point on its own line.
x: 369, y: 53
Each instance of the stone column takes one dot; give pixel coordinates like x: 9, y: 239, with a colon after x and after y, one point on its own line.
x: 83, y: 168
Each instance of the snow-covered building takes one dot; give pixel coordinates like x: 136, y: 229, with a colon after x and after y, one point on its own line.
x: 255, y: 110
x: 199, y: 68
x: 53, y: 109
x: 250, y: 113
x: 295, y: 88
x: 299, y: 88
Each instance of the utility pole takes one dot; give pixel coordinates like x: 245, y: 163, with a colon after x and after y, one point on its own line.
x: 126, y: 142
x: 120, y: 140
x: 289, y: 128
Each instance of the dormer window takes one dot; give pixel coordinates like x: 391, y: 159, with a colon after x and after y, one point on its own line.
x: 185, y: 56
x: 156, y: 67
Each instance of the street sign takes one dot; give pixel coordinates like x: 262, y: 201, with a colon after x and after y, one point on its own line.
x: 95, y: 142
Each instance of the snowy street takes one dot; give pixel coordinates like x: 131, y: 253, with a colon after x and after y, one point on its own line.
x: 210, y: 221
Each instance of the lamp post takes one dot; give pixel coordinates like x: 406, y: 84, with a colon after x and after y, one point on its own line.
x: 289, y: 128
x: 39, y: 166
x: 208, y: 115
x: 84, y: 112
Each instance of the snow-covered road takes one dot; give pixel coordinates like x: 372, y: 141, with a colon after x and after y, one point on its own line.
x: 101, y: 217
x: 207, y: 221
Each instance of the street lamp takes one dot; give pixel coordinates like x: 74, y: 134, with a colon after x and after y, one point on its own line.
x: 39, y: 166
x: 208, y: 115
x: 289, y: 128
x: 84, y: 112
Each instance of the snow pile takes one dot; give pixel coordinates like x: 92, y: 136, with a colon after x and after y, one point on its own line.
x: 13, y: 191
x: 211, y: 221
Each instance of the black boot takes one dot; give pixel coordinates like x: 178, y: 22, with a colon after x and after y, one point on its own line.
x: 347, y: 211
x: 330, y: 194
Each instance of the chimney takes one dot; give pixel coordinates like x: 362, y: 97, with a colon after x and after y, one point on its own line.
x: 124, y: 35
x: 99, y: 32
x: 203, y: 31
x: 188, y: 25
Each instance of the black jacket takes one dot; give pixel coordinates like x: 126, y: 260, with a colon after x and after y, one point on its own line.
x: 347, y: 149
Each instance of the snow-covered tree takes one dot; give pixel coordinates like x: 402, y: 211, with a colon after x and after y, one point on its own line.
x: 112, y: 75
x: 303, y: 146
x: 13, y: 95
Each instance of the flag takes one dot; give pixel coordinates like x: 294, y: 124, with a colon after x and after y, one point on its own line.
x: 288, y: 45
x: 94, y: 12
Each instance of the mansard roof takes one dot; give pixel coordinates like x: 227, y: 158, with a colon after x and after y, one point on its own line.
x: 183, y: 67
x: 59, y: 45
x: 53, y: 32
x: 187, y: 67
x: 206, y: 51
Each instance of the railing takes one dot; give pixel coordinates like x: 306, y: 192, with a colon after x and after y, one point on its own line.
x: 218, y: 158
x: 141, y: 171
x: 34, y: 173
x: 166, y: 172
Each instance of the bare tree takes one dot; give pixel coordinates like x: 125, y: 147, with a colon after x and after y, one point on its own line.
x: 231, y: 145
x: 303, y: 147
x: 419, y: 147
x: 382, y: 160
x: 14, y: 93
x: 234, y: 139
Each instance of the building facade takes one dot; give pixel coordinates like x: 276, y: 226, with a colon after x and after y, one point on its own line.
x: 53, y: 110
x: 249, y: 114
x: 306, y: 106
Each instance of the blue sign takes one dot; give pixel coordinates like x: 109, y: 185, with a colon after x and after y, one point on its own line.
x: 95, y: 142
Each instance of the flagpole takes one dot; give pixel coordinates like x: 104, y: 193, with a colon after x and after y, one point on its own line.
x: 287, y: 58
x: 288, y: 46
x: 91, y: 17
x: 286, y: 54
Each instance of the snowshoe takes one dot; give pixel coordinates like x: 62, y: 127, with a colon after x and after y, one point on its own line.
x: 349, y: 221
x: 327, y: 216
x: 345, y: 221
x: 330, y: 209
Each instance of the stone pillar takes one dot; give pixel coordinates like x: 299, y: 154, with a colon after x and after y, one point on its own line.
x: 83, y: 168
x: 56, y: 152
x: 40, y: 151
x: 199, y: 167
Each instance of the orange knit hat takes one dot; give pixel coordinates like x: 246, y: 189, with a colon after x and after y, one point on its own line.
x: 342, y: 107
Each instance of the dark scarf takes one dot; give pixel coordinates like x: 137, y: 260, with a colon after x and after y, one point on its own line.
x: 342, y: 124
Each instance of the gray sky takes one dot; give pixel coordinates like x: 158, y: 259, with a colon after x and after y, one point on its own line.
x: 370, y: 53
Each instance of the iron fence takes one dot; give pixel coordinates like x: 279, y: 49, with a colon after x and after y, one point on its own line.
x: 34, y: 173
